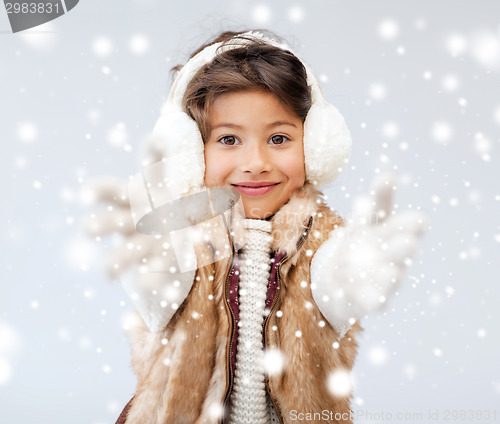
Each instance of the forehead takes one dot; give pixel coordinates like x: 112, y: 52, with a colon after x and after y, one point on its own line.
x: 249, y: 104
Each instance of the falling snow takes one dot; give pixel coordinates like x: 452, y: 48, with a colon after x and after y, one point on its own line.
x: 419, y: 91
x: 5, y: 371
x: 261, y: 14
x: 456, y: 44
x: 102, y: 46
x: 485, y: 48
x: 274, y: 362
x: 390, y: 130
x: 27, y: 131
x: 437, y: 352
x: 450, y: 83
x: 378, y: 91
x: 388, y: 29
x: 117, y: 135
x: 10, y: 340
x: 340, y: 383
x: 139, y: 44
x: 442, y: 132
x: 378, y: 355
x: 296, y: 14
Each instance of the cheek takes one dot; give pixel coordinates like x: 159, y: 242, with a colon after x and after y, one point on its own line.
x: 215, y: 171
x: 208, y: 168
x: 295, y: 170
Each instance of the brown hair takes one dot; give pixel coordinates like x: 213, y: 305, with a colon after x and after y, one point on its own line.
x: 255, y: 66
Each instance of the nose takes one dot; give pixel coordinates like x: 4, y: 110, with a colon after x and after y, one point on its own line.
x: 256, y: 159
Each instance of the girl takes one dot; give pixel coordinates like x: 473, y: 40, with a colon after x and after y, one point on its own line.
x: 263, y: 330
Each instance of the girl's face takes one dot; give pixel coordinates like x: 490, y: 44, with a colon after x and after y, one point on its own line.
x: 256, y: 147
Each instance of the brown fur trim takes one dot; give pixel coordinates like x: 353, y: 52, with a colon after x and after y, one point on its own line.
x: 290, y: 221
x: 310, y: 357
x: 183, y: 371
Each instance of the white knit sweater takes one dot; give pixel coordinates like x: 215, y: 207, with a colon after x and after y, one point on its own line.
x: 249, y: 400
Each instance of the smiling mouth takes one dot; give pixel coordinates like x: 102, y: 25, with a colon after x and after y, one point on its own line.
x: 255, y: 189
x: 255, y: 185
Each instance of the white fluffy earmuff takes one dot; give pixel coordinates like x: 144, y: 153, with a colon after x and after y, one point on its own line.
x: 327, y: 140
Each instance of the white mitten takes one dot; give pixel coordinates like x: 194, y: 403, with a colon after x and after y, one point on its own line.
x: 145, y: 264
x: 361, y: 264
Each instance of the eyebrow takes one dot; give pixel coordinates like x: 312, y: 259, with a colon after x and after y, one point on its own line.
x: 273, y: 124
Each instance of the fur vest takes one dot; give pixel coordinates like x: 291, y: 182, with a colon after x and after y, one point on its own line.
x: 185, y: 373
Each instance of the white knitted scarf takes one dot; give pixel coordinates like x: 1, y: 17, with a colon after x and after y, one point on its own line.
x: 249, y: 403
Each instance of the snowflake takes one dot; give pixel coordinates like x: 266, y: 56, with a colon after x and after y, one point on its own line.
x: 5, y: 371
x: 456, y: 44
x: 296, y: 14
x: 450, y: 83
x: 485, y: 49
x: 377, y: 355
x: 437, y: 352
x: 261, y: 14
x: 274, y: 362
x: 388, y: 29
x: 102, y: 46
x: 27, y: 131
x: 139, y: 44
x: 378, y: 91
x: 10, y: 340
x: 390, y: 130
x: 118, y: 134
x: 339, y: 383
x: 441, y: 132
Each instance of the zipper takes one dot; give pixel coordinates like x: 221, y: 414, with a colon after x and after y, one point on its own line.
x: 229, y: 384
x: 266, y: 323
x: 278, y: 288
x: 305, y: 233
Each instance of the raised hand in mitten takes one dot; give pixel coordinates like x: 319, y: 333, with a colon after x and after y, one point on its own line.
x: 361, y: 264
x: 145, y: 264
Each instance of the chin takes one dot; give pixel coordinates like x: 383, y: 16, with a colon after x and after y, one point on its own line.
x: 257, y: 213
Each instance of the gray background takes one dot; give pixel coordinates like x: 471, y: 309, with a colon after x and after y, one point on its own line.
x: 77, y: 100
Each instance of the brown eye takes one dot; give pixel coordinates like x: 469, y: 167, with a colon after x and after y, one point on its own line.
x: 228, y: 140
x: 278, y: 139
